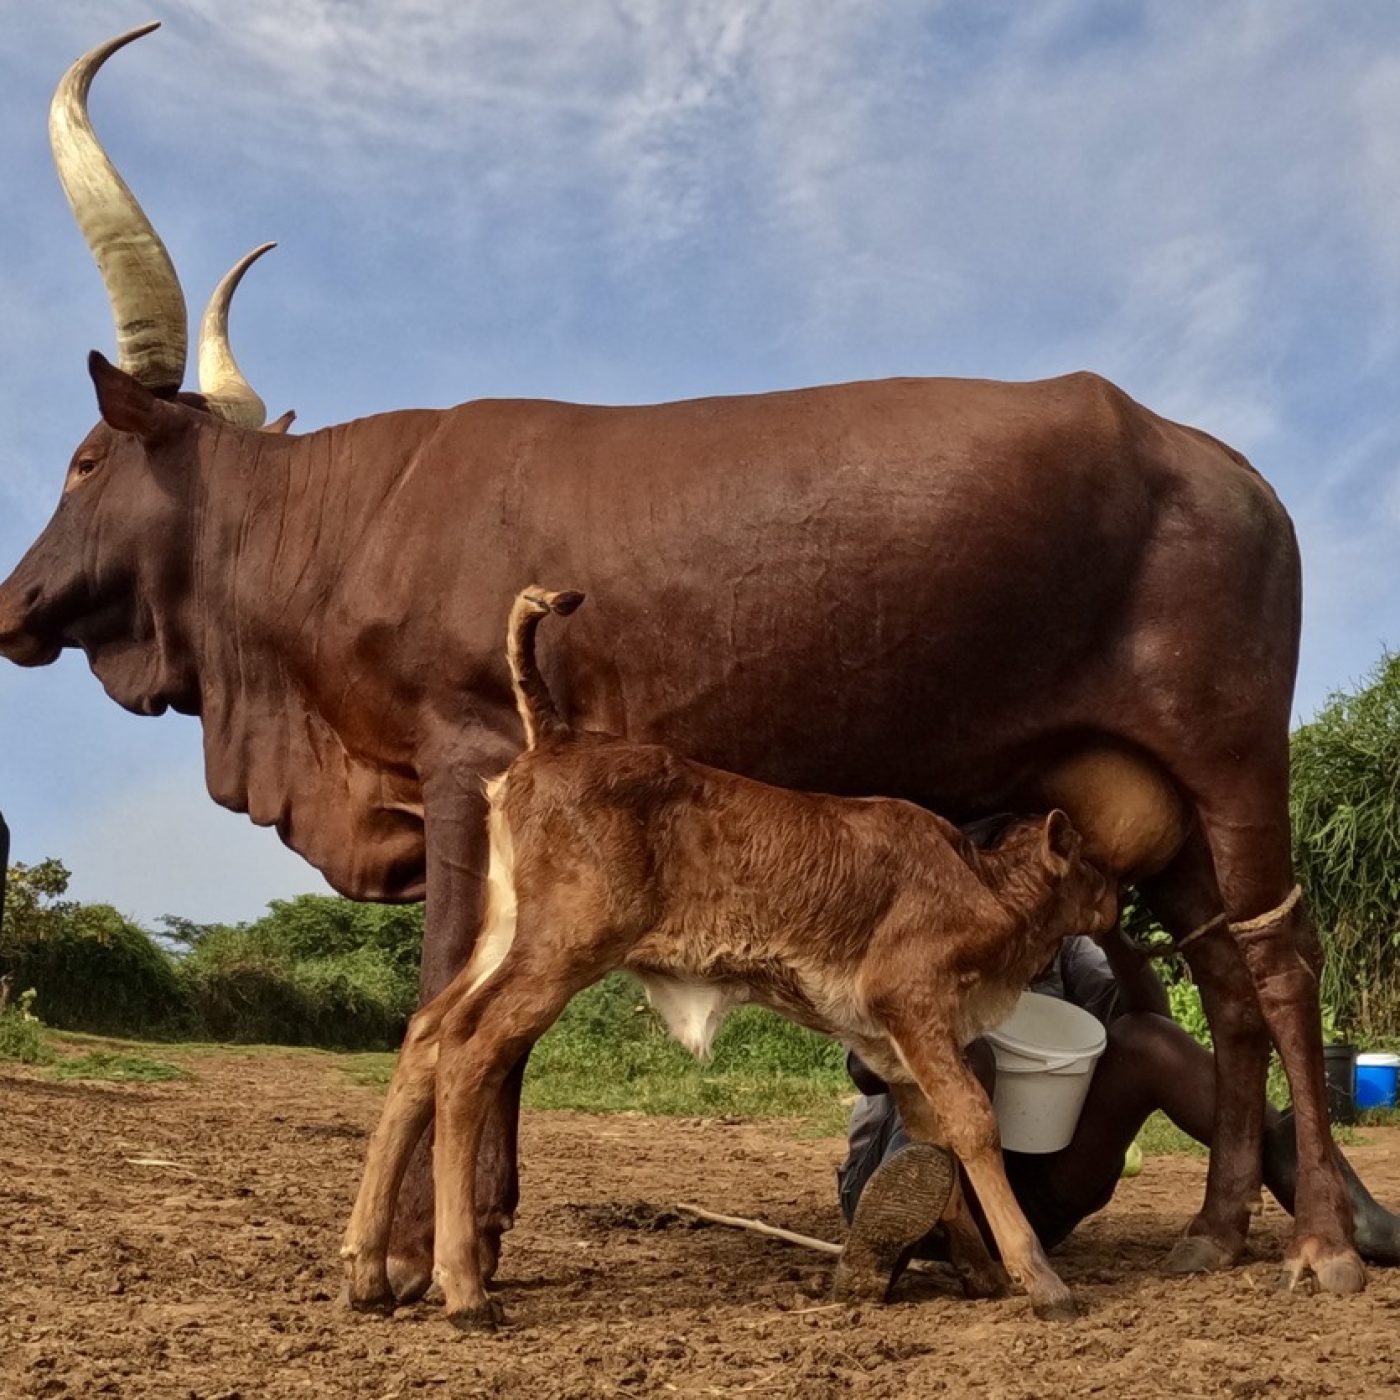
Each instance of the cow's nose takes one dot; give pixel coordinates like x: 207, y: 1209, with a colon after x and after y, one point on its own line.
x: 16, y: 643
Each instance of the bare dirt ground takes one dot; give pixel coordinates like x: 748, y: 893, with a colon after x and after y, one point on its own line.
x: 217, y: 1277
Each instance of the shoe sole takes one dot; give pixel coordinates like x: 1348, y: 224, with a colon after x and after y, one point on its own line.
x: 901, y: 1203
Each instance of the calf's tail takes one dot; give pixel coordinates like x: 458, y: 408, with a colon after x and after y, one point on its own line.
x: 532, y: 698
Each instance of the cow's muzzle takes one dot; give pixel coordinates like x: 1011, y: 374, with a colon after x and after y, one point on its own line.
x: 18, y: 643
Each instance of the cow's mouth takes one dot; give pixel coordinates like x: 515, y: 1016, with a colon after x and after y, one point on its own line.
x: 25, y: 649
x: 39, y: 629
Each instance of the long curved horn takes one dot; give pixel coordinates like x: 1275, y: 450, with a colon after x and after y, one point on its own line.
x: 220, y: 380
x: 147, y: 303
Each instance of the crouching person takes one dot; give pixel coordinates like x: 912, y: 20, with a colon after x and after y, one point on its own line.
x: 892, y: 1194
x: 871, y: 920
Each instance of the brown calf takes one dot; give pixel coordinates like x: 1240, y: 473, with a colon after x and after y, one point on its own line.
x: 872, y: 920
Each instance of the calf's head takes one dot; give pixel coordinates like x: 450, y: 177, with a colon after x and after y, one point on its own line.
x: 110, y: 572
x: 1069, y: 894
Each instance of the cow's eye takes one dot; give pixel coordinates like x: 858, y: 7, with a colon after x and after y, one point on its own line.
x: 86, y: 467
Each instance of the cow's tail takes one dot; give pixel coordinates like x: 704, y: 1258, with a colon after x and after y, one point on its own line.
x: 532, y: 698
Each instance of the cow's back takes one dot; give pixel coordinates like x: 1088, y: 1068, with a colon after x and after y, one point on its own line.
x: 911, y: 587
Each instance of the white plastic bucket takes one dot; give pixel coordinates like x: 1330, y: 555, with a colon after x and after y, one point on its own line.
x: 1045, y: 1051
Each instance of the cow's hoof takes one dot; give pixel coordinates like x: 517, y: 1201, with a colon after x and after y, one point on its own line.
x: 485, y: 1317
x: 1059, y: 1308
x: 1198, y: 1254
x: 901, y: 1203
x: 1310, y: 1268
x: 410, y: 1275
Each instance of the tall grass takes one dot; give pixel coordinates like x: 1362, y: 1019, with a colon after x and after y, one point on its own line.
x: 1346, y: 832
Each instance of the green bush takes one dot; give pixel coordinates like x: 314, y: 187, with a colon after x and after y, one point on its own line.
x: 312, y: 971
x: 93, y: 969
x: 243, y: 987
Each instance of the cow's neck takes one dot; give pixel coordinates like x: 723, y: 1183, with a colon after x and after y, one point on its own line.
x: 279, y: 532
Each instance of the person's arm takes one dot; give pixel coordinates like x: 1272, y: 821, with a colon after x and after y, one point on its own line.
x: 863, y: 1077
x: 1139, y: 987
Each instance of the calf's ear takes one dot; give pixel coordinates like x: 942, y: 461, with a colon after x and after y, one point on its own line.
x: 280, y: 425
x: 126, y: 404
x: 1059, y: 842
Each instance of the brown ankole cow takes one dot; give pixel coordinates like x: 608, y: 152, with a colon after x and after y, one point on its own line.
x: 972, y: 595
x: 871, y: 920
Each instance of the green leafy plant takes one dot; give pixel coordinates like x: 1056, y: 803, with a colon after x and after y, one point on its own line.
x: 22, y: 1035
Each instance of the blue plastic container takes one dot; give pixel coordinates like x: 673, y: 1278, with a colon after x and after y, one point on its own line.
x: 1377, y: 1078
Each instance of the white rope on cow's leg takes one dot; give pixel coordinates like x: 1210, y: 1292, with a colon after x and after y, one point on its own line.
x: 1209, y: 926
x: 1262, y: 926
x: 1262, y: 922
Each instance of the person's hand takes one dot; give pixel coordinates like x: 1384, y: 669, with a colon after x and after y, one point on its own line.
x: 864, y: 1078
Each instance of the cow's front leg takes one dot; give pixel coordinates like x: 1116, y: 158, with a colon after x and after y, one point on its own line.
x: 455, y: 829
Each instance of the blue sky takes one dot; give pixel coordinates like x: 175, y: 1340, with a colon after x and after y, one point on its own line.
x: 630, y: 201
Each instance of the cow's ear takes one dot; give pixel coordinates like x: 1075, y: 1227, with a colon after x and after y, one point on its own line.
x: 280, y: 425
x: 1059, y: 842
x: 126, y: 404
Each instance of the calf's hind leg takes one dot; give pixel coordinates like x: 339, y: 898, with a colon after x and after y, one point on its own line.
x: 483, y: 1037
x: 980, y: 1274
x: 969, y: 1127
x: 407, y: 1110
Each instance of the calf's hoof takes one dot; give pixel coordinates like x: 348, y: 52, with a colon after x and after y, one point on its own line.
x: 483, y: 1317
x: 1199, y: 1254
x: 984, y: 1283
x: 378, y: 1304
x: 903, y: 1200
x: 366, y: 1287
x: 1310, y: 1266
x: 409, y: 1275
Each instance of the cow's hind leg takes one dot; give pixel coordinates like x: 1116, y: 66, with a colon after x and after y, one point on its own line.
x: 1249, y: 840
x: 1186, y: 900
